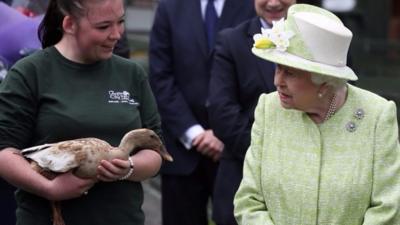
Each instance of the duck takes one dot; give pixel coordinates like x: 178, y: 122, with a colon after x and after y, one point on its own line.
x: 83, y: 155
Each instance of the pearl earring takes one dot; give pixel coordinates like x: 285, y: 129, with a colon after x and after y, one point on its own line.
x: 320, y: 95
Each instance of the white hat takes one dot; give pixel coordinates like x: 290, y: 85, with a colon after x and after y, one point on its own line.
x: 311, y: 39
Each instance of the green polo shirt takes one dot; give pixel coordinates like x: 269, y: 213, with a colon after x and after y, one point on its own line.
x: 47, y: 98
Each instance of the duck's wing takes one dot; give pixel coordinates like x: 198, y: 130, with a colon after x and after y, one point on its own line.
x: 26, y: 151
x: 52, y: 158
x: 62, y: 156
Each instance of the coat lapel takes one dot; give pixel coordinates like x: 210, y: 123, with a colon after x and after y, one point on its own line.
x: 266, y: 69
x: 200, y: 33
x: 230, y: 10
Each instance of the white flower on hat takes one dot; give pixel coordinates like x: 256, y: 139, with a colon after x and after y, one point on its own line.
x: 276, y: 36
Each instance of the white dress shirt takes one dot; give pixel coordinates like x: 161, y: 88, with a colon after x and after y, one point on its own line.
x: 195, y: 130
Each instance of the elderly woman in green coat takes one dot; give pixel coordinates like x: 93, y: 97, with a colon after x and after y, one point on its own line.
x: 322, y: 151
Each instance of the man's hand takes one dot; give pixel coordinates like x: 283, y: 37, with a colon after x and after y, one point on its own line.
x: 208, y: 144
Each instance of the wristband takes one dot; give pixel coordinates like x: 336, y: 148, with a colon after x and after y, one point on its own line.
x: 130, y: 170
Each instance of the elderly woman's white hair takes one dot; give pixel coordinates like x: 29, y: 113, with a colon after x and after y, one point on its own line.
x: 335, y: 82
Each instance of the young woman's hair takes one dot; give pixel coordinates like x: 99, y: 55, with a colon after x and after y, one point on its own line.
x: 50, y: 29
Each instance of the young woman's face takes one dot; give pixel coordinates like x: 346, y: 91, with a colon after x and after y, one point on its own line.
x: 100, y: 29
x: 295, y: 88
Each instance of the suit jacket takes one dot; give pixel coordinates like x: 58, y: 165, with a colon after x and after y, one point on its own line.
x: 298, y: 172
x: 238, y: 79
x: 180, y: 70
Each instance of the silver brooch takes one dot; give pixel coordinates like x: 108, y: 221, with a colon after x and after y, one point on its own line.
x: 359, y: 114
x: 351, y: 126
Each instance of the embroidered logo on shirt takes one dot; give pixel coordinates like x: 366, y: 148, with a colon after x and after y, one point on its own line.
x: 121, y: 97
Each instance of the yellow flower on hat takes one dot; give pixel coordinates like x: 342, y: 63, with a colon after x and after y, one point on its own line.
x: 276, y: 37
x: 261, y: 41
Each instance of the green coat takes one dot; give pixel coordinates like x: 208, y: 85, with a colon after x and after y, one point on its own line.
x: 299, y: 173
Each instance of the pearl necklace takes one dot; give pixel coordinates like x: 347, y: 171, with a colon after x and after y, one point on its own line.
x: 332, y: 108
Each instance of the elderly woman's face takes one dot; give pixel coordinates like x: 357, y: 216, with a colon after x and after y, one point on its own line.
x: 295, y: 88
x: 272, y: 10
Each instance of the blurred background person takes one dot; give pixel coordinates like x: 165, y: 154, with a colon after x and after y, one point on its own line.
x: 322, y: 151
x: 181, y: 45
x: 13, y: 24
x: 238, y: 78
x: 18, y: 34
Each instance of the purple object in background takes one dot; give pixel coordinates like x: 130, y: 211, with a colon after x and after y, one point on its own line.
x: 17, y: 33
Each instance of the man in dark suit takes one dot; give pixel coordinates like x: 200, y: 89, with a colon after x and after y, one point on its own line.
x: 180, y: 61
x: 237, y: 80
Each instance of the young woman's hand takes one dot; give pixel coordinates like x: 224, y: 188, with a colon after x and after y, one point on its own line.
x: 113, y: 170
x: 67, y: 186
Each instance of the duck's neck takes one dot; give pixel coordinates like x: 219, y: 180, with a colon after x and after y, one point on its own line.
x: 119, y: 153
x: 127, y: 145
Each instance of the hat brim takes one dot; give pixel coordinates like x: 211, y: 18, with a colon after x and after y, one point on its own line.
x: 287, y: 59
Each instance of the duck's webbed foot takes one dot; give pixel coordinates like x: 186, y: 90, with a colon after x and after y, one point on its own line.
x: 57, y: 216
